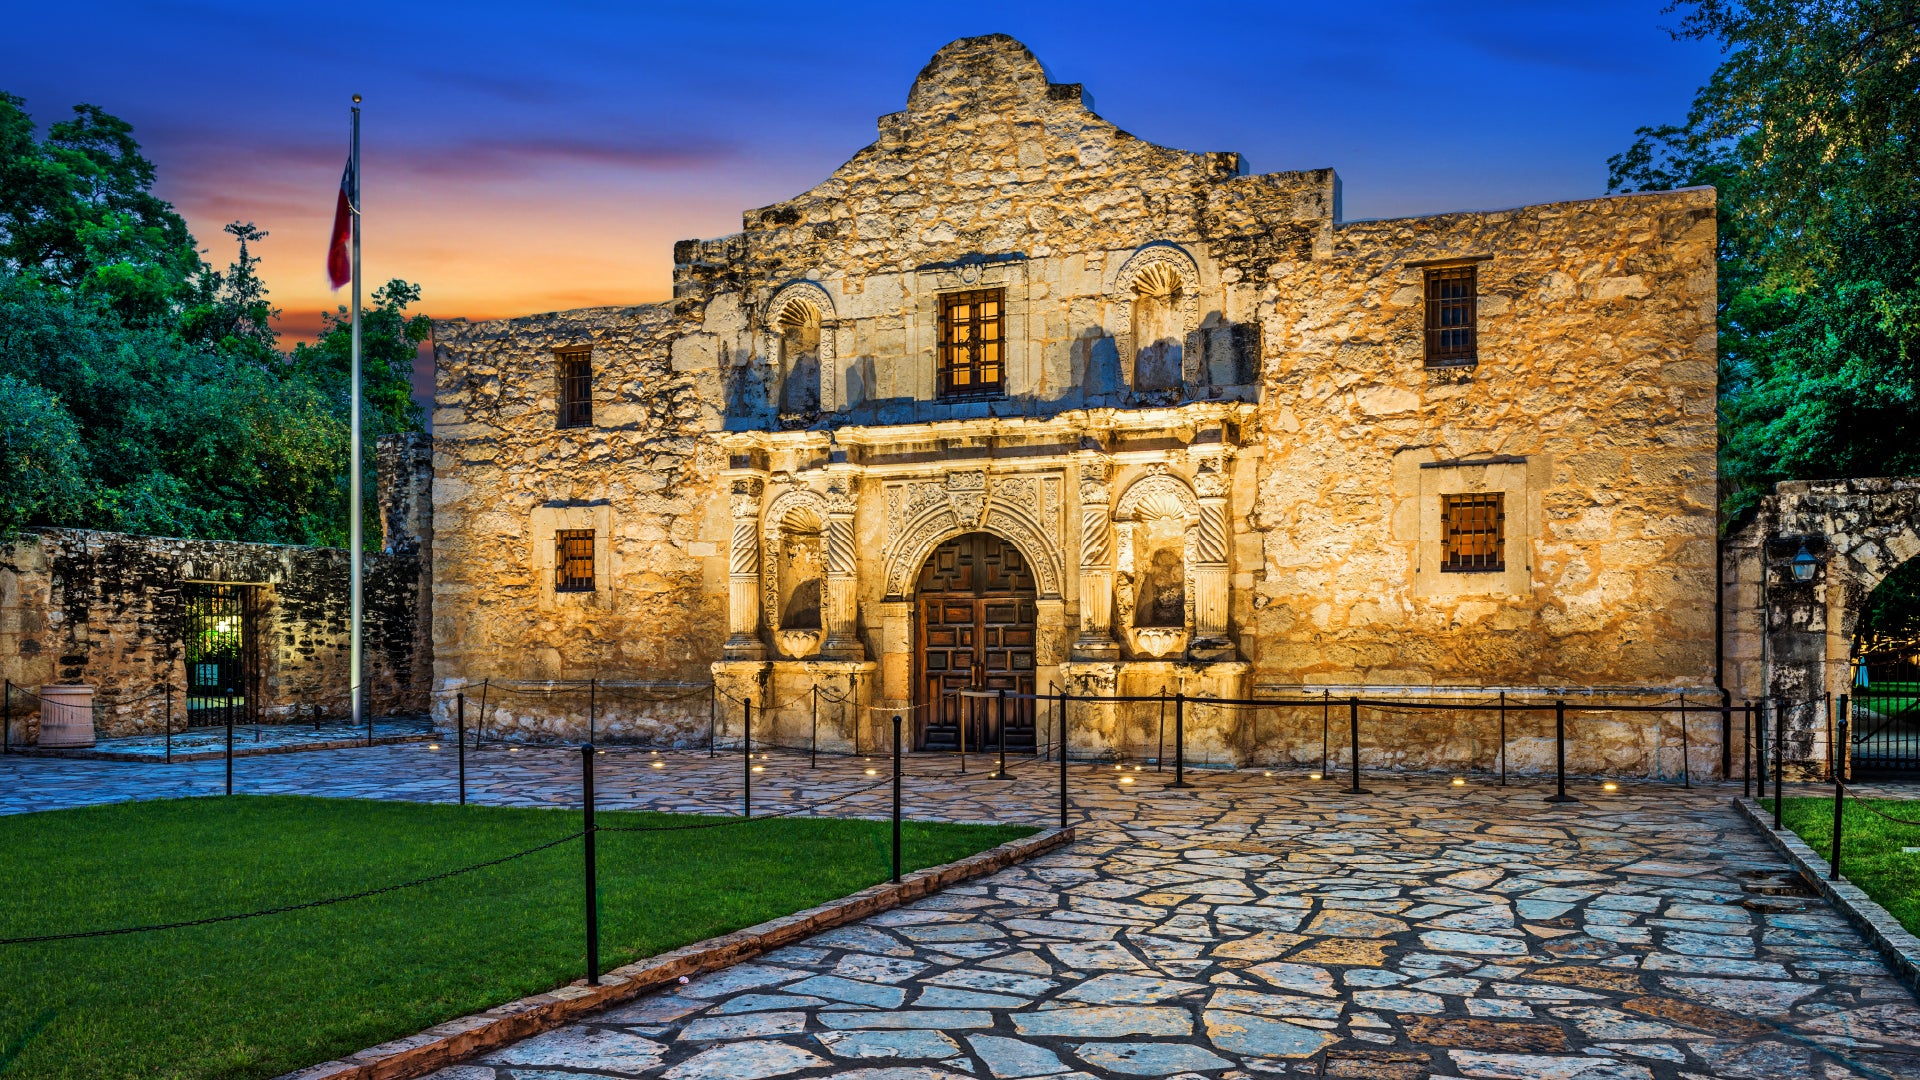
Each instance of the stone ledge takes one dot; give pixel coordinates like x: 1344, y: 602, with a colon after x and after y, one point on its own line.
x: 447, y: 1043
x: 1900, y: 949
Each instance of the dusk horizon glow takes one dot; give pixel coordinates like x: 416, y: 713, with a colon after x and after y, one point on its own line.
x: 515, y: 165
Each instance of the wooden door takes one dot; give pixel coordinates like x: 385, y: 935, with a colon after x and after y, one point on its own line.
x: 976, y: 632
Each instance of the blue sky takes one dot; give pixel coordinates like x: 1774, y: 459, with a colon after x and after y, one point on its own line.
x: 527, y: 157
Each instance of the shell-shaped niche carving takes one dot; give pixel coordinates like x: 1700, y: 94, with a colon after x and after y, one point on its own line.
x: 798, y: 330
x: 1159, y: 327
x: 801, y: 568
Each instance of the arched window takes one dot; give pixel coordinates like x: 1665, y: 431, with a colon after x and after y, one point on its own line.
x: 1159, y: 328
x: 798, y: 327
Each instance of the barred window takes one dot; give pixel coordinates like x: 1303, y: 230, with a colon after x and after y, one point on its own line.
x: 1476, y: 527
x: 576, y: 387
x: 1452, y: 336
x: 972, y: 346
x: 573, y: 560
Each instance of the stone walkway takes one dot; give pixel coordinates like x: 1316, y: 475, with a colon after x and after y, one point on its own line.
x: 1252, y: 925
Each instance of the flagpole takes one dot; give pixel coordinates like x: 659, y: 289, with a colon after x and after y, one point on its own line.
x: 356, y: 554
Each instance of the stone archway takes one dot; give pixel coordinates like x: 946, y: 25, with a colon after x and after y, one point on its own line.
x: 1857, y: 532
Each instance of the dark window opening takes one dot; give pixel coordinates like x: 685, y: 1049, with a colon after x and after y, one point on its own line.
x: 1475, y: 532
x: 576, y: 388
x: 972, y: 345
x: 573, y: 560
x: 1452, y: 336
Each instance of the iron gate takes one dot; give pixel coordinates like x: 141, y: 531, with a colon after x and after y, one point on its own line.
x: 219, y: 652
x: 1886, y: 715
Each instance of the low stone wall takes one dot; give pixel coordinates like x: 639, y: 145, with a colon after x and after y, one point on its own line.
x: 611, y: 711
x: 109, y: 610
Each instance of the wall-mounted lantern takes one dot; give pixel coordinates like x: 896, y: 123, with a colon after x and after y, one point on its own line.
x: 1804, y: 565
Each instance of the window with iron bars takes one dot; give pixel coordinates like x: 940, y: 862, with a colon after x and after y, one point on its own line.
x: 576, y: 387
x: 573, y: 560
x: 972, y: 346
x: 1452, y: 336
x: 1475, y: 532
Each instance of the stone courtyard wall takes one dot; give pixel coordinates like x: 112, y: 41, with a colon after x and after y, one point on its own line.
x: 109, y: 610
x: 1591, y: 407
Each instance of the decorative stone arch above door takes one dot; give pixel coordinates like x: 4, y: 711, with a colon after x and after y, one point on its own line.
x: 801, y: 300
x: 1157, y: 269
x: 1021, y: 508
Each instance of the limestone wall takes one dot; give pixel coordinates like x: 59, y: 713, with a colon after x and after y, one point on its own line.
x: 108, y: 610
x: 507, y: 477
x: 1591, y: 407
x: 1596, y: 372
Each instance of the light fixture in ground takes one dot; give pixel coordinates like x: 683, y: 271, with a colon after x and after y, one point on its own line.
x: 1609, y: 786
x: 1126, y: 779
x: 1267, y: 773
x: 659, y: 764
x: 433, y: 746
x: 759, y: 768
x: 873, y: 772
x: 1313, y: 776
x: 1459, y: 781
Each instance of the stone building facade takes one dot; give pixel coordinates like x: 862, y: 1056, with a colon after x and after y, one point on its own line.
x: 116, y: 611
x: 1014, y: 399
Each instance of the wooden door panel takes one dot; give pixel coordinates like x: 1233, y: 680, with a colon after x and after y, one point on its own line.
x: 976, y: 630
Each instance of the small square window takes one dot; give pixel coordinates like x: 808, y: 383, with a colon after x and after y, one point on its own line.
x: 573, y: 560
x: 972, y: 347
x: 1474, y: 532
x: 576, y: 387
x: 1452, y: 333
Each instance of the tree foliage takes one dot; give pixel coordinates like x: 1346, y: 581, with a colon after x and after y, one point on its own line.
x: 1810, y: 129
x: 146, y: 391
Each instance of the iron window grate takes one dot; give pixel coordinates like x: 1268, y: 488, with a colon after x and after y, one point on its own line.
x: 1452, y: 335
x: 573, y: 560
x: 576, y: 388
x: 1475, y: 528
x: 972, y: 343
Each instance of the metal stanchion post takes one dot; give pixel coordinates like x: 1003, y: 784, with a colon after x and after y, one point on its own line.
x: 1779, y: 759
x: 746, y: 758
x: 1064, y: 699
x: 229, y: 712
x: 593, y: 687
x: 169, y: 721
x: 1746, y: 749
x: 460, y: 733
x: 1560, y: 754
x: 960, y: 706
x: 1353, y: 739
x: 713, y: 716
x: 896, y: 796
x: 1839, y: 786
x: 1686, y: 766
x: 592, y: 885
x: 369, y: 707
x: 1326, y: 721
x: 1503, y: 738
x: 813, y: 741
x: 1000, y: 721
x: 1180, y: 740
x: 1726, y: 735
x: 6, y: 726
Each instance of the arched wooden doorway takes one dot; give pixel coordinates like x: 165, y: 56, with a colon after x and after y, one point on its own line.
x: 975, y: 630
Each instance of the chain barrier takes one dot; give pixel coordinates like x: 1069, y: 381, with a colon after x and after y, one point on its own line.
x: 284, y: 908
x: 726, y: 821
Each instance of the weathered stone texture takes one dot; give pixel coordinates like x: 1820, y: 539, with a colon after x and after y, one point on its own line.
x: 109, y: 610
x: 1216, y: 410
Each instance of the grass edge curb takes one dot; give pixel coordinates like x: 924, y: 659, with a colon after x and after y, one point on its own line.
x: 451, y: 1041
x: 1897, y: 947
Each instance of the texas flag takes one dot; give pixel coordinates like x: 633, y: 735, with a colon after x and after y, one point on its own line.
x: 339, y: 262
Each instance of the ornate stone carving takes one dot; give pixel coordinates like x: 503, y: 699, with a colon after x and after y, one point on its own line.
x: 967, y: 495
x: 1050, y: 502
x: 922, y: 514
x: 816, y: 297
x: 1158, y: 491
x: 1163, y: 258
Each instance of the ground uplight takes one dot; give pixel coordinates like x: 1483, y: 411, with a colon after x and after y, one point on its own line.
x: 1313, y: 776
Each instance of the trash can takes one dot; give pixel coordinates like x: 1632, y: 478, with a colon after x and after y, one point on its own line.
x: 66, y: 716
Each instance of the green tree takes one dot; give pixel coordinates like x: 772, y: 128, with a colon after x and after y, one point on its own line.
x: 1810, y: 129
x: 390, y: 339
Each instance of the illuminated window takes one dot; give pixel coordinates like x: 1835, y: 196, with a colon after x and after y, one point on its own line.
x: 573, y: 560
x: 1475, y: 537
x: 576, y: 387
x: 1451, y: 336
x: 972, y: 346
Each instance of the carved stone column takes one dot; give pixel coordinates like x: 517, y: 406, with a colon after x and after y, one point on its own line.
x: 743, y: 576
x: 1096, y: 563
x: 839, y: 614
x: 1210, y: 571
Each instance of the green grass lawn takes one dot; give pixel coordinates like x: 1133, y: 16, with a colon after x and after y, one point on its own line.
x: 1870, y: 854
x: 259, y: 997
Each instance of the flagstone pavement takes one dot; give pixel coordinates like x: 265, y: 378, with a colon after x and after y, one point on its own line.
x: 1251, y: 925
